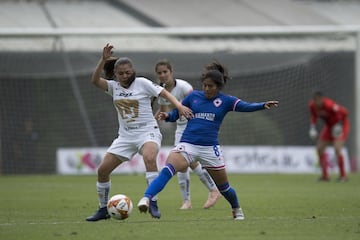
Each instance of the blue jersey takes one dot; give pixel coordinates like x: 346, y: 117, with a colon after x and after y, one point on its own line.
x: 203, y: 128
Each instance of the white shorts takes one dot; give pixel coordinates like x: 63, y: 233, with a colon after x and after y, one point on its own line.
x: 128, y: 143
x: 209, y: 156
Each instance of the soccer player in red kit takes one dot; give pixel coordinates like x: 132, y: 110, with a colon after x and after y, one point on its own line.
x: 335, y: 131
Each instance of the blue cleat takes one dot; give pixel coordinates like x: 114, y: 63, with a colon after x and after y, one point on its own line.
x: 154, y: 209
x: 100, y: 214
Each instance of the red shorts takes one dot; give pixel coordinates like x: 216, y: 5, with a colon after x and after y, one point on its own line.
x: 326, y: 134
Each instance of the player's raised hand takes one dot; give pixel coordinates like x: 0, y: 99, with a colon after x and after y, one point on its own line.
x: 107, y: 51
x: 270, y: 104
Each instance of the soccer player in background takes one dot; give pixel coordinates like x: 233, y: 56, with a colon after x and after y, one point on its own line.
x: 199, y: 141
x: 179, y: 89
x: 335, y: 131
x: 138, y: 130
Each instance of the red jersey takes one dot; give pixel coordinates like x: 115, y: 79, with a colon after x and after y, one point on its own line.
x: 330, y: 112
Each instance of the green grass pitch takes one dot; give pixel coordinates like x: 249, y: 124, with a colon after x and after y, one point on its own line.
x: 276, y: 206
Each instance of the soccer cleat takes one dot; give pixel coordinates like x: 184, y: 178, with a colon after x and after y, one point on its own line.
x: 100, y: 214
x: 342, y: 179
x: 323, y: 179
x: 154, y: 209
x: 186, y: 205
x: 143, y: 204
x: 238, y: 214
x: 214, y: 195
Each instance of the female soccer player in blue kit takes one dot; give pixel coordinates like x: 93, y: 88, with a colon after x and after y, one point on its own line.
x: 199, y: 141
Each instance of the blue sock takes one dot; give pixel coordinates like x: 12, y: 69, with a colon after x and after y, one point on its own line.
x: 159, y: 183
x: 230, y: 195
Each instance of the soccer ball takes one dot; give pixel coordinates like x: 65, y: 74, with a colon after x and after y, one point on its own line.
x: 119, y: 206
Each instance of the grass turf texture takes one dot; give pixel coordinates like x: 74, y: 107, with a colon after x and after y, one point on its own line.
x: 275, y: 207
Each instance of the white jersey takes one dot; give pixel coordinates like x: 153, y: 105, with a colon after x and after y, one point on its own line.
x: 180, y: 91
x: 133, y: 104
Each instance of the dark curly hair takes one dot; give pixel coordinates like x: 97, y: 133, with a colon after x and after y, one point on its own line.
x: 215, y: 65
x: 109, y: 68
x: 216, y: 76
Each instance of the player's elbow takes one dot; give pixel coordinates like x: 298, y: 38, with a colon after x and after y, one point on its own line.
x: 94, y: 80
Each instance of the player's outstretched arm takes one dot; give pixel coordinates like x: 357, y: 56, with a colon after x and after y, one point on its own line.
x: 96, y: 78
x: 183, y: 110
x: 270, y: 104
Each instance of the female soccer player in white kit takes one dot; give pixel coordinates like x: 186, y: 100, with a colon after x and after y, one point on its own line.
x: 180, y: 89
x: 138, y: 129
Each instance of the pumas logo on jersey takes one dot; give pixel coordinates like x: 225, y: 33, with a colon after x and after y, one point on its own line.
x: 217, y: 102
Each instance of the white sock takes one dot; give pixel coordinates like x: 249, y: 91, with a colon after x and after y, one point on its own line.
x: 103, y: 190
x: 184, y: 183
x: 205, y: 177
x: 150, y: 176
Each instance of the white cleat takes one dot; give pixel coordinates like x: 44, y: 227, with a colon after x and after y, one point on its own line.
x: 238, y: 214
x: 214, y: 195
x: 143, y: 205
x: 186, y: 205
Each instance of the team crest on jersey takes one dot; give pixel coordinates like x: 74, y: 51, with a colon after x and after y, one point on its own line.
x: 217, y: 102
x: 180, y: 148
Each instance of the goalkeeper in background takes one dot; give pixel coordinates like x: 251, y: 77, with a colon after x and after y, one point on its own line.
x: 335, y: 131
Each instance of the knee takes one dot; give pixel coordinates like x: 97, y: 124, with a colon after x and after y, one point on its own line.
x: 149, y: 160
x: 150, y: 163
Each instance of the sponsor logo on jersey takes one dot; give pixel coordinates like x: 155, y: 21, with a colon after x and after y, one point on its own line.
x: 205, y: 116
x: 124, y: 94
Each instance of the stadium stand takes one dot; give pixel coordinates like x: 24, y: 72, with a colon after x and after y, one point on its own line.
x: 127, y: 13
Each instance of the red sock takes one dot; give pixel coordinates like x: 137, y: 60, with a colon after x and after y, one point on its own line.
x: 341, y: 165
x: 323, y: 165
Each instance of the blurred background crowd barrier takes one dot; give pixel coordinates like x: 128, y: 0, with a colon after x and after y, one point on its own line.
x: 47, y: 57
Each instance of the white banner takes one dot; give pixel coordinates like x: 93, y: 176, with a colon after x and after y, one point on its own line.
x: 238, y: 159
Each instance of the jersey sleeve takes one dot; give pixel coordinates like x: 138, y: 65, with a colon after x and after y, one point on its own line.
x: 187, y: 89
x: 153, y: 89
x: 313, y: 114
x: 339, y: 111
x: 110, y: 86
x: 173, y: 115
x: 243, y: 106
